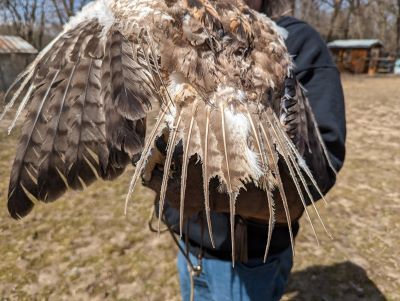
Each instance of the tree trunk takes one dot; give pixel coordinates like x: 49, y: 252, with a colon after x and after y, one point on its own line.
x: 398, y: 29
x: 336, y: 10
x: 293, y: 7
x: 346, y: 31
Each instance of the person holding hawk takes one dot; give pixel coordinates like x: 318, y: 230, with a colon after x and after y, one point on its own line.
x: 249, y: 132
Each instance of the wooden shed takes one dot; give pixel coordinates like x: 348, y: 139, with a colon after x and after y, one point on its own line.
x: 15, y: 55
x: 357, y: 56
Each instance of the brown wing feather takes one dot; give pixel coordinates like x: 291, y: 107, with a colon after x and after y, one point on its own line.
x: 68, y: 140
x: 51, y: 181
x: 85, y: 122
x: 23, y: 188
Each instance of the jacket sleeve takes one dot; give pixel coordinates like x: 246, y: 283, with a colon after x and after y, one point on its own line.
x: 317, y: 72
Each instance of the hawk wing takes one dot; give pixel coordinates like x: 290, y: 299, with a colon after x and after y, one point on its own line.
x: 86, y: 96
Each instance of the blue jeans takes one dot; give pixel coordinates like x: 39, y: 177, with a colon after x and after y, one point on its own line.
x: 253, y: 281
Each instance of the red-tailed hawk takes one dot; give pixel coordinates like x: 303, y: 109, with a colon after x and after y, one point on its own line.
x: 217, y: 70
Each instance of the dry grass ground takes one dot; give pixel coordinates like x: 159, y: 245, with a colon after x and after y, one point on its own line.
x: 83, y: 248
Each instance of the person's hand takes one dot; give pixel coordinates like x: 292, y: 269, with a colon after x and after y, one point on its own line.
x: 155, y: 162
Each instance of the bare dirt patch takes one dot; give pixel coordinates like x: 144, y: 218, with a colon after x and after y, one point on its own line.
x: 83, y: 247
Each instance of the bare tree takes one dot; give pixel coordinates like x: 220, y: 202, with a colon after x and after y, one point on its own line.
x: 66, y: 8
x: 337, y: 6
x: 350, y: 12
x: 37, y: 20
x: 355, y: 19
x: 25, y: 18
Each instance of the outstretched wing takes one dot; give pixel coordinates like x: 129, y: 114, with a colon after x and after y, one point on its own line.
x: 86, y: 96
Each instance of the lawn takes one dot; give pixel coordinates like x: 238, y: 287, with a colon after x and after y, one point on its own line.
x: 83, y: 247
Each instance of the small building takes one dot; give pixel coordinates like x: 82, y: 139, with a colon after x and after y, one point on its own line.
x: 15, y: 55
x: 357, y: 56
x: 397, y: 67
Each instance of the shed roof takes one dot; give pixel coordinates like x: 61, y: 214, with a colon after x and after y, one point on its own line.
x: 368, y: 43
x: 15, y: 44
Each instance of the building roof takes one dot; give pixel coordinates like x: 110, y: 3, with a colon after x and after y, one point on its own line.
x: 15, y: 44
x: 369, y: 43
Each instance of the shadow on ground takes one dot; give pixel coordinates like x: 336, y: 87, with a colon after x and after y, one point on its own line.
x: 344, y: 281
